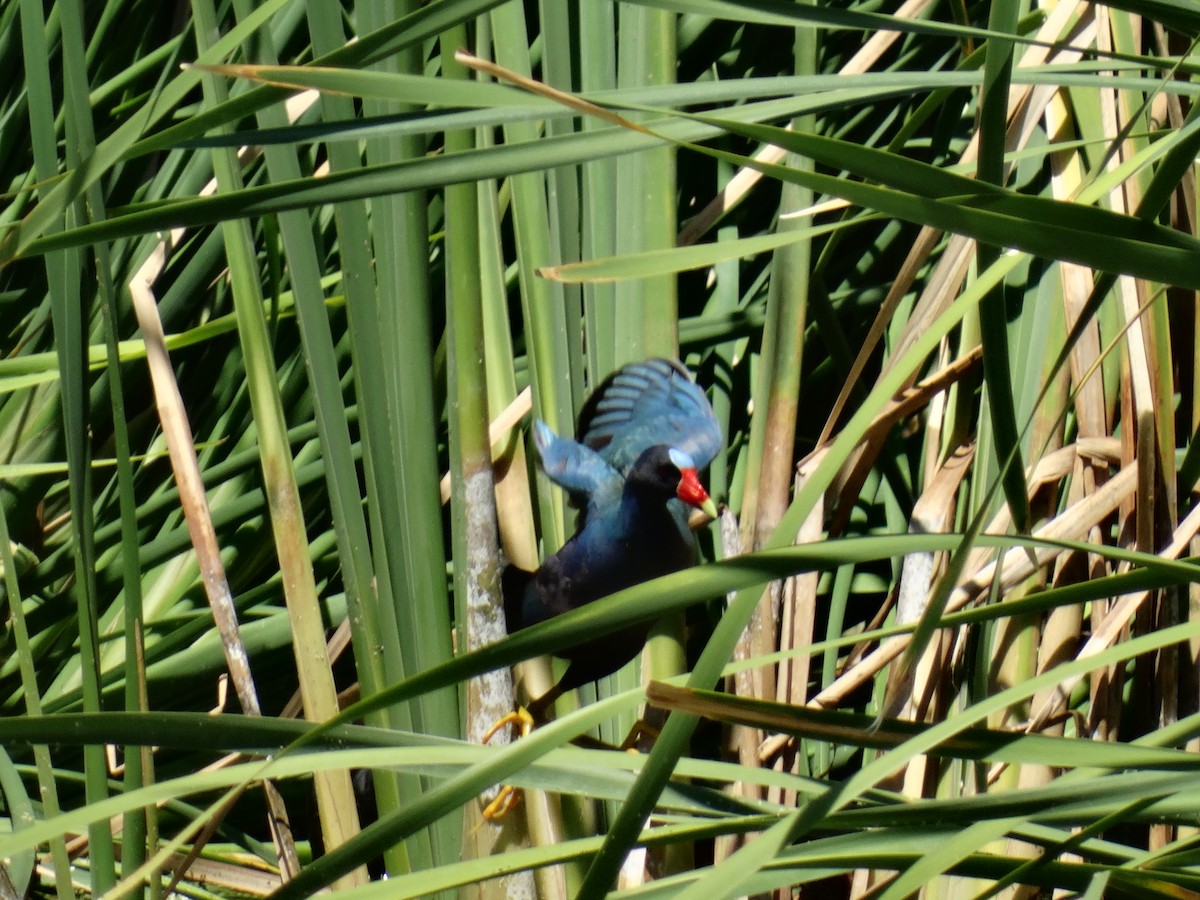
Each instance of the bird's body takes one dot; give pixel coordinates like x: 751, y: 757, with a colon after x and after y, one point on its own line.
x: 645, y: 432
x: 630, y: 540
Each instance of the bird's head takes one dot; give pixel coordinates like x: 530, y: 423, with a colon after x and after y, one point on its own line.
x: 671, y: 472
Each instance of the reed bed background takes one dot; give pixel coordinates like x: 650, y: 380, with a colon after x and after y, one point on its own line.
x: 282, y: 285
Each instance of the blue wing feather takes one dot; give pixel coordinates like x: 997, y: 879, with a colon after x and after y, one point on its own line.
x: 635, y: 408
x: 580, y: 470
x: 648, y: 403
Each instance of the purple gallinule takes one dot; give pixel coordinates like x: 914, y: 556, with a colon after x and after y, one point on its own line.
x: 646, y: 431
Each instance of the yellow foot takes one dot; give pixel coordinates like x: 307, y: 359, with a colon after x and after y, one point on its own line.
x: 506, y: 801
x: 521, y: 717
x: 509, y: 796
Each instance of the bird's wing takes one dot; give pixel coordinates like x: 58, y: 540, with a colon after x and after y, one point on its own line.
x: 648, y: 403
x: 572, y: 466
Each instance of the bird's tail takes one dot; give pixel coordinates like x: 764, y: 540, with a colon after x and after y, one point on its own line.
x: 514, y: 583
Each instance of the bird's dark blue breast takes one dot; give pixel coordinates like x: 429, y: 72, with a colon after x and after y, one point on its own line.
x: 597, y: 562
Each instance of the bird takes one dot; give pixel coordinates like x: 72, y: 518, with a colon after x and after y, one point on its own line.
x: 645, y: 432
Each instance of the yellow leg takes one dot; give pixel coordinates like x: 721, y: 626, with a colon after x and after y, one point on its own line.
x: 506, y: 801
x: 509, y: 796
x: 521, y: 717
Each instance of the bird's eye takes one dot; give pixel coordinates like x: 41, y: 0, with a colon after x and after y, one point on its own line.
x: 667, y: 471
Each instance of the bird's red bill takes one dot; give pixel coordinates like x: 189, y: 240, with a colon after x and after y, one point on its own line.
x: 690, y: 490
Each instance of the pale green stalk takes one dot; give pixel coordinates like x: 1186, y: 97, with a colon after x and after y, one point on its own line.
x: 69, y: 314
x: 335, y: 799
